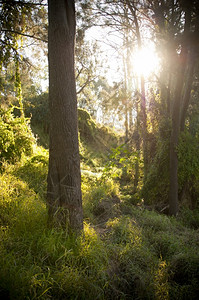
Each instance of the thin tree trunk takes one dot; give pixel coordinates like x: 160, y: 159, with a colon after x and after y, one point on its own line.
x: 188, y: 87
x: 143, y: 96
x: 169, y: 94
x: 126, y: 101
x: 137, y: 143
x: 144, y: 126
x: 64, y: 180
x: 176, y: 113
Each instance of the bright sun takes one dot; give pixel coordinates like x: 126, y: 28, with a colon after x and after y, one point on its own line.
x: 145, y: 62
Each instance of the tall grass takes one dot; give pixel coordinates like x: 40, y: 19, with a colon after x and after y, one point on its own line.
x: 125, y: 252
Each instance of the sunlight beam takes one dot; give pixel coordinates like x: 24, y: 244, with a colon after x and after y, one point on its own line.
x: 145, y: 62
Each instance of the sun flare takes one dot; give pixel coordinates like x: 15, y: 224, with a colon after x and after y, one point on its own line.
x: 145, y: 62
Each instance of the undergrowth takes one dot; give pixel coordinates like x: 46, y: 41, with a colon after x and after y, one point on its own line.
x: 124, y: 252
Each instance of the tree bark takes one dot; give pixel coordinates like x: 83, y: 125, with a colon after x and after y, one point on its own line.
x: 188, y: 86
x: 175, y: 129
x: 137, y: 144
x: 64, y: 197
x: 126, y: 101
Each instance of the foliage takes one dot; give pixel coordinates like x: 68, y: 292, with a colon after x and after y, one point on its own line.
x: 20, y: 22
x: 100, y: 202
x: 184, y: 276
x: 97, y: 139
x: 161, y: 281
x: 37, y: 108
x: 94, y: 136
x: 188, y: 151
x: 125, y: 252
x: 87, y: 126
x: 47, y: 263
x: 34, y: 172
x: 189, y: 217
x: 188, y: 157
x: 15, y: 137
x: 12, y: 20
x: 155, y: 188
x: 121, y: 163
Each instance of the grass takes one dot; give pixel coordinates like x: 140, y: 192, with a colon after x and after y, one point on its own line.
x: 125, y: 251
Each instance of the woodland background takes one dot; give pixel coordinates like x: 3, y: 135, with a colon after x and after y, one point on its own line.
x: 139, y: 152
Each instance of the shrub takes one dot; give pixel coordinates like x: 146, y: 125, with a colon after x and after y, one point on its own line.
x: 34, y: 172
x: 37, y: 108
x: 156, y: 185
x: 188, y: 174
x: 100, y: 199
x: 161, y: 281
x: 184, y: 276
x: 189, y: 218
x: 133, y: 257
x: 15, y: 137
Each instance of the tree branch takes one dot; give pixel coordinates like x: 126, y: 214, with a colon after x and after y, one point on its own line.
x: 84, y: 85
x: 24, y: 34
x: 22, y: 3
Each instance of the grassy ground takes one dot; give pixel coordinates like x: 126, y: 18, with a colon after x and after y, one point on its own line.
x: 126, y: 252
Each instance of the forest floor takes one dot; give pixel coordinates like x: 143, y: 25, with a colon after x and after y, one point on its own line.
x: 126, y: 251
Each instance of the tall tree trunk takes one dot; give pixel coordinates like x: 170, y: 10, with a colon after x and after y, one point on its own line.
x: 176, y: 114
x: 129, y: 80
x: 169, y: 93
x: 144, y: 126
x: 126, y: 101
x: 137, y: 144
x: 131, y: 6
x: 64, y: 180
x: 175, y: 129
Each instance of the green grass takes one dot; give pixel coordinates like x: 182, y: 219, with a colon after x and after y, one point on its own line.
x: 125, y: 251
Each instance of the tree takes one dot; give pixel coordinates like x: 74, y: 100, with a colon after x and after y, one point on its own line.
x: 176, y: 29
x: 64, y: 180
x: 23, y: 24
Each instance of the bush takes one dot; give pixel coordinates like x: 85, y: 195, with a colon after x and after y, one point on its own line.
x: 34, y: 172
x: 15, y: 137
x: 184, y: 276
x: 134, y: 259
x: 188, y: 174
x: 38, y: 109
x: 100, y: 199
x: 155, y: 189
x: 189, y: 218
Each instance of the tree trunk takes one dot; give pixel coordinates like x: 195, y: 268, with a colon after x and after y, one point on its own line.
x: 144, y: 126
x: 175, y: 129
x: 137, y: 144
x: 142, y: 88
x: 126, y: 122
x: 64, y: 179
x: 188, y: 86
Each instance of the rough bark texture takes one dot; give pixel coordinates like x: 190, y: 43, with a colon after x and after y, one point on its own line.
x: 64, y: 180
